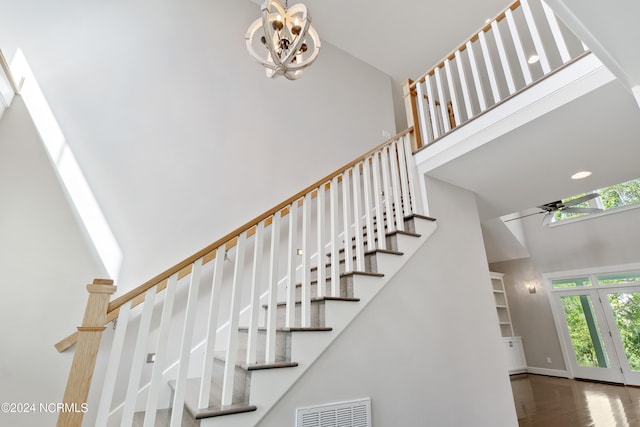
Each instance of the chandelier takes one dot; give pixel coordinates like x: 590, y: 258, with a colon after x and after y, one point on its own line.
x: 289, y: 41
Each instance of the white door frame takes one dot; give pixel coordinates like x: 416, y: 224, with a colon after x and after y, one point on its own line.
x: 612, y: 347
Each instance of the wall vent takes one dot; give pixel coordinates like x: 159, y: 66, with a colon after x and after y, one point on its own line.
x: 356, y: 413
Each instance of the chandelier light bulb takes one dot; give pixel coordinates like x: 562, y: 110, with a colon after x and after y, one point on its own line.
x: 283, y: 40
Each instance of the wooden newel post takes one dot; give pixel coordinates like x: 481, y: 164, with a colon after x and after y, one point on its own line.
x: 409, y: 94
x: 84, y: 358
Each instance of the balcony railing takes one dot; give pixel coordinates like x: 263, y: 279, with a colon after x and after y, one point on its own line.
x: 520, y: 46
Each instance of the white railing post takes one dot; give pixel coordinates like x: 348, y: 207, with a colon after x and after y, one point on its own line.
x: 291, y: 266
x: 535, y: 36
x: 444, y: 113
x: 252, y: 337
x: 368, y: 204
x: 452, y: 92
x: 335, y: 235
x: 357, y: 215
x: 411, y: 176
x: 234, y: 320
x: 465, y: 86
x: 346, y: 210
x: 138, y: 360
x: 305, y: 309
x: 489, y: 66
x: 113, y: 365
x: 395, y: 185
x: 387, y: 188
x: 161, y: 353
x: 504, y: 60
x: 425, y: 122
x: 477, y: 82
x: 557, y: 34
x: 380, y: 213
x: 185, y: 346
x: 517, y: 42
x: 321, y: 241
x: 212, y: 327
x: 431, y: 100
x: 272, y: 308
x: 404, y: 178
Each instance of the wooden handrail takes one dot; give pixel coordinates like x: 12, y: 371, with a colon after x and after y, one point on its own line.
x: 473, y: 37
x: 7, y: 72
x: 209, y: 253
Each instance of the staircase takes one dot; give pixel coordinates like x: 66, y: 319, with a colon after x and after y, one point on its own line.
x: 223, y: 335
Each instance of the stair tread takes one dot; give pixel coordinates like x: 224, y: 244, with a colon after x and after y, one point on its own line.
x: 314, y: 299
x: 222, y: 356
x: 213, y: 410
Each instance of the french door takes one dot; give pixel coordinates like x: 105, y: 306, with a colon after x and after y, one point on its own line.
x: 600, y: 326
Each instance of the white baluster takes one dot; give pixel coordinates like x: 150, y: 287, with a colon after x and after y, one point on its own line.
x: 321, y: 241
x: 425, y: 122
x: 377, y: 191
x: 506, y: 68
x: 387, y: 189
x: 476, y: 77
x: 258, y: 252
x: 452, y: 91
x: 272, y: 309
x: 465, y: 86
x: 212, y: 328
x: 443, y: 103
x: 139, y: 357
x: 557, y: 34
x: 517, y: 42
x: 357, y: 215
x: 335, y: 235
x: 432, y: 108
x: 404, y: 179
x: 113, y: 365
x: 535, y: 36
x: 411, y: 175
x: 305, y: 309
x: 368, y: 203
x: 395, y: 184
x: 291, y: 266
x: 346, y: 210
x: 234, y: 322
x: 161, y: 353
x: 489, y: 65
x: 185, y: 346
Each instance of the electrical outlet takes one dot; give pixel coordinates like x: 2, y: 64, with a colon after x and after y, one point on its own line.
x: 548, y: 360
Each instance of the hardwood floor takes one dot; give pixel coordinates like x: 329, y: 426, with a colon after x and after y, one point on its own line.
x: 559, y: 402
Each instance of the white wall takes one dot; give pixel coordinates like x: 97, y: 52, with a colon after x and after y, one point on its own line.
x: 179, y: 133
x: 427, y: 349
x: 600, y: 241
x: 45, y: 262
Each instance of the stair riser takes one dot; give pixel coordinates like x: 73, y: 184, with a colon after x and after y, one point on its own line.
x: 317, y: 315
x: 283, y: 346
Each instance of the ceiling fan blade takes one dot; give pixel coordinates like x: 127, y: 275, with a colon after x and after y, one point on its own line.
x: 523, y: 216
x: 547, y: 218
x: 582, y: 210
x: 581, y: 199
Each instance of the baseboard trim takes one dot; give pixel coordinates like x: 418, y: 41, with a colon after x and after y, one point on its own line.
x: 548, y: 372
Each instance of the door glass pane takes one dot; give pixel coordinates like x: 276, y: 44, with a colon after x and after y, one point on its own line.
x: 626, y: 311
x: 584, y: 331
x: 619, y: 278
x: 573, y: 282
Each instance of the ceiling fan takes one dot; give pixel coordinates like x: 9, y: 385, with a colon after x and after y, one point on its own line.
x: 549, y: 209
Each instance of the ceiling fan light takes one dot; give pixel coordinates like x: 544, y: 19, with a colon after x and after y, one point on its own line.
x: 581, y: 175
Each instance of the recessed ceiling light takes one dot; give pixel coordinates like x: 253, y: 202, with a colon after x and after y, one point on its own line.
x: 580, y: 175
x: 533, y: 59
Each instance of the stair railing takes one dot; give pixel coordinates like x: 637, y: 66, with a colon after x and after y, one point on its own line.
x: 347, y: 212
x: 491, y: 66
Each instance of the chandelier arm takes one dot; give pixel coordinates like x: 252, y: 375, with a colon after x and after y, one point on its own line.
x: 306, y: 20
